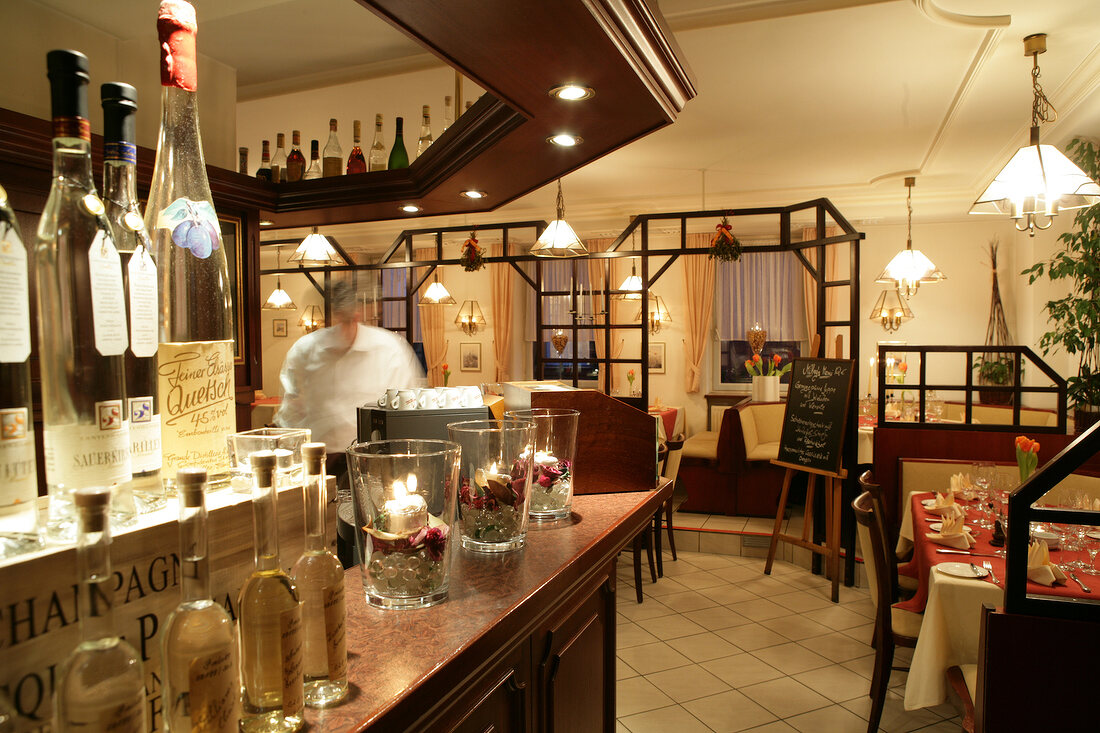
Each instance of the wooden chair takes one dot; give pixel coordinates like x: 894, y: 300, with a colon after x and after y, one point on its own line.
x: 669, y: 469
x: 963, y: 680
x: 903, y: 585
x: 894, y: 627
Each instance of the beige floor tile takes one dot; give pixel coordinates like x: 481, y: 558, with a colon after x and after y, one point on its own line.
x: 784, y: 697
x: 752, y: 636
x: 689, y: 519
x: 630, y: 634
x: 620, y: 728
x: 764, y: 585
x: 701, y: 580
x: 833, y: 719
x: 650, y: 658
x: 716, y: 618
x: 790, y: 658
x: 636, y: 695
x: 676, y: 568
x: 635, y: 611
x: 703, y: 647
x: 687, y: 601
x: 863, y: 605
x: 759, y: 609
x: 663, y: 587
x: 777, y: 727
x: 720, y: 543
x: 709, y: 561
x: 687, y: 683
x: 663, y: 720
x: 737, y: 573
x: 741, y: 670
x: 835, y: 682
x: 835, y: 617
x: 796, y: 628
x: 687, y: 540
x: 730, y: 594
x: 862, y: 633
x: 944, y: 726
x: 726, y: 524
x: 864, y: 666
x: 895, y: 718
x: 837, y: 647
x: 671, y: 627
x: 623, y: 670
x: 800, y: 601
x: 728, y: 712
x: 760, y: 525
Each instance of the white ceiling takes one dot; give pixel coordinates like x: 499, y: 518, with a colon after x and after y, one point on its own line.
x: 796, y: 98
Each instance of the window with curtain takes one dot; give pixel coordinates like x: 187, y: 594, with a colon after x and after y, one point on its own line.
x: 393, y: 311
x: 764, y: 288
x: 557, y: 275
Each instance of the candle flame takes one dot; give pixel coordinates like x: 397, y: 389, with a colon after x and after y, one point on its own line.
x: 401, y: 489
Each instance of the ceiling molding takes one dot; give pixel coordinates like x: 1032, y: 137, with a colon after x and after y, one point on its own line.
x: 342, y: 75
x: 745, y: 11
x: 947, y: 17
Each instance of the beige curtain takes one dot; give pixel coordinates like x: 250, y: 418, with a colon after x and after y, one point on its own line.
x: 832, y: 295
x: 699, y: 288
x: 431, y: 323
x: 598, y: 277
x: 501, y: 288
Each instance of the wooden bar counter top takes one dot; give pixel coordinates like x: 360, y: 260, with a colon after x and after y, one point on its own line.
x: 525, y: 640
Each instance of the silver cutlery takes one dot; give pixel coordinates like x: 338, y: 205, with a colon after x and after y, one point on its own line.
x: 1078, y: 581
x: 965, y: 552
x: 974, y: 569
x: 992, y: 576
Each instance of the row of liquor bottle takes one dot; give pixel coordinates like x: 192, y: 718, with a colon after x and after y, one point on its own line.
x: 288, y: 648
x: 284, y: 167
x: 117, y: 293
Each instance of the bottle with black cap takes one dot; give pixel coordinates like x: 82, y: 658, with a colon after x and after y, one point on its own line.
x: 101, y: 686
x: 198, y: 645
x: 139, y: 274
x: 82, y: 329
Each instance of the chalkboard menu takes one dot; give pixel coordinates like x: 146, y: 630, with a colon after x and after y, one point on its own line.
x: 817, y: 412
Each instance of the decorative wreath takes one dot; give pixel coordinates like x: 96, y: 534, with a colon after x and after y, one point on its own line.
x: 473, y: 257
x: 723, y: 245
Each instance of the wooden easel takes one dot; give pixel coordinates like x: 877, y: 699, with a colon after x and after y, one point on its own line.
x: 831, y: 548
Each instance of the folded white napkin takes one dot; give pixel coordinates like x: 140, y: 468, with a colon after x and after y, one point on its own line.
x: 945, y: 505
x: 1040, y: 568
x: 960, y: 482
x: 953, y: 533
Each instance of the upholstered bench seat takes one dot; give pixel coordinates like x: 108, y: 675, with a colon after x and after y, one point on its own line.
x: 702, y: 445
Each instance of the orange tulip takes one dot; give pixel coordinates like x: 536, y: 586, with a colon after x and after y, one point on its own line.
x: 776, y: 358
x: 756, y: 358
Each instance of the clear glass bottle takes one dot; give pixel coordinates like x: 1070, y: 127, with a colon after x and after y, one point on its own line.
x: 377, y: 158
x: 82, y: 334
x: 198, y: 644
x: 139, y: 275
x: 332, y: 160
x: 278, y: 161
x: 399, y: 157
x: 295, y: 160
x: 314, y: 170
x: 356, y: 162
x: 242, y: 160
x: 264, y: 171
x: 101, y: 686
x: 8, y: 715
x: 270, y: 616
x: 18, y: 474
x: 195, y: 357
x: 425, y: 140
x: 320, y: 579
x: 448, y: 113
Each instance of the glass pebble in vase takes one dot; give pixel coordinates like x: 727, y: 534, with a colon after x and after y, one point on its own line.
x: 552, y: 465
x: 403, y: 493
x: 494, y: 482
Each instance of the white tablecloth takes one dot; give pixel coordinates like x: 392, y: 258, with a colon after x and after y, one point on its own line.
x: 866, y: 450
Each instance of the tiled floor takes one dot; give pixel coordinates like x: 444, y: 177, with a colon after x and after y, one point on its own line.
x: 719, y: 646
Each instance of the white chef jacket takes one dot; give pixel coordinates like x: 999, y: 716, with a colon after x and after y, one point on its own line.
x: 322, y: 387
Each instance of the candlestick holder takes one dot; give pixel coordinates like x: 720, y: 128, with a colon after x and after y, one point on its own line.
x: 403, y: 492
x: 552, y: 463
x: 285, y: 442
x: 494, y: 482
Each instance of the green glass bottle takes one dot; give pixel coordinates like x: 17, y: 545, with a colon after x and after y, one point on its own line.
x: 399, y: 157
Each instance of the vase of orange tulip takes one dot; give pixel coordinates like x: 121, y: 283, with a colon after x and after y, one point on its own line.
x: 765, y: 376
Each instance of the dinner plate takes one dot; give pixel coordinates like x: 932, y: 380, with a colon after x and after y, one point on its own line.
x: 928, y: 503
x: 1095, y: 534
x: 937, y: 526
x: 961, y: 570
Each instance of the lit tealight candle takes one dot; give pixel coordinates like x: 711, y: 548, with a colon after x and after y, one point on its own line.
x: 407, y: 511
x: 543, y: 458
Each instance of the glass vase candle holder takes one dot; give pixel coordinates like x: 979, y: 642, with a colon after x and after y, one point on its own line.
x: 403, y: 492
x: 494, y: 482
x: 552, y: 462
x: 285, y: 442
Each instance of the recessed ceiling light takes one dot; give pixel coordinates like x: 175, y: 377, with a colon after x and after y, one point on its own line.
x: 565, y: 140
x: 266, y: 223
x: 410, y: 208
x: 573, y: 92
x: 474, y: 194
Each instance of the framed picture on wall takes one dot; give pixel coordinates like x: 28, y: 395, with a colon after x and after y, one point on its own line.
x: 469, y: 357
x: 655, y: 360
x: 278, y: 328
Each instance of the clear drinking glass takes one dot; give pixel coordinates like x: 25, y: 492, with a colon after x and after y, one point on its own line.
x: 495, y: 482
x: 1092, y: 547
x: 552, y: 472
x: 403, y: 492
x: 285, y: 442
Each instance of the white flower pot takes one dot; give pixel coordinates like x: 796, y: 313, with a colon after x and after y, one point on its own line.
x: 765, y: 389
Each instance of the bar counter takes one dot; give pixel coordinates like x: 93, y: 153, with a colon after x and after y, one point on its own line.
x: 524, y: 641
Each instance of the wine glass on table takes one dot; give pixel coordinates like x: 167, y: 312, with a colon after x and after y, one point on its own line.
x: 1092, y: 546
x: 982, y: 475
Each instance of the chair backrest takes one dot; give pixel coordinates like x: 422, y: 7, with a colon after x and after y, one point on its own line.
x: 868, y: 485
x: 672, y: 460
x: 868, y: 525
x: 761, y: 423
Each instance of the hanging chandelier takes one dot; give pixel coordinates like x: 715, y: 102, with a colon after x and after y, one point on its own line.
x: 279, y: 300
x: 910, y: 267
x: 1039, y: 180
x: 436, y: 294
x: 559, y: 239
x: 891, y: 310
x: 315, y: 251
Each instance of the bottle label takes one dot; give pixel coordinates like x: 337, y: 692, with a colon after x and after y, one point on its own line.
x: 108, y: 304
x: 119, y: 150
x: 144, y: 435
x: 15, y: 318
x: 90, y: 455
x: 332, y: 167
x: 194, y: 226
x: 335, y: 628
x: 142, y: 277
x: 290, y: 630
x: 213, y: 693
x: 126, y: 716
x: 196, y: 398
x: 18, y: 477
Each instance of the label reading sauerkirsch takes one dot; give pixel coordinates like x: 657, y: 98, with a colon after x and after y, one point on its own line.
x: 90, y: 455
x: 195, y: 394
x: 108, y: 304
x: 213, y: 693
x: 15, y: 319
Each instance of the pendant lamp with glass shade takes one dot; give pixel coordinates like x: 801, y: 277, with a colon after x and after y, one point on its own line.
x: 891, y: 310
x: 1039, y: 180
x: 632, y: 284
x: 279, y: 300
x: 315, y: 251
x: 436, y: 294
x: 559, y: 239
x: 910, y: 267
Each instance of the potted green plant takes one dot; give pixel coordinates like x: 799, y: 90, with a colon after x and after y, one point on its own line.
x: 994, y: 369
x: 1075, y: 318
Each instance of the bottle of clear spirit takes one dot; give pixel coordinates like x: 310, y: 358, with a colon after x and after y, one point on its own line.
x: 139, y: 274
x: 356, y: 162
x: 270, y: 616
x: 320, y: 579
x: 314, y: 170
x: 198, y: 645
x: 448, y: 113
x: 195, y: 357
x: 425, y: 140
x: 332, y: 159
x: 295, y: 160
x: 101, y: 686
x: 82, y: 334
x: 377, y: 157
x: 278, y: 161
x: 264, y: 171
x: 18, y: 475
